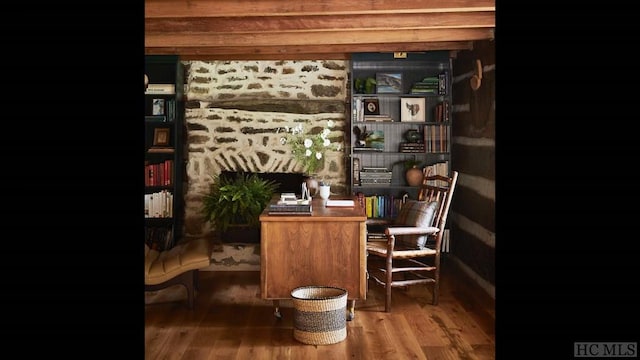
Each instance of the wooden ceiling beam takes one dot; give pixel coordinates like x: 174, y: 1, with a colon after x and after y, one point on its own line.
x: 477, y: 19
x: 262, y: 8
x: 314, y: 37
x: 308, y: 52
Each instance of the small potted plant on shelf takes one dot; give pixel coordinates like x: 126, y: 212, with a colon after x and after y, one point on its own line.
x: 412, y: 171
x: 234, y: 206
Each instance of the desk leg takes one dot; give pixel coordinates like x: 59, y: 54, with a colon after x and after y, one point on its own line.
x: 352, y: 310
x: 276, y: 309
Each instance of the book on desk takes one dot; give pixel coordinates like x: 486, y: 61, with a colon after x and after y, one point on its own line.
x: 288, y: 206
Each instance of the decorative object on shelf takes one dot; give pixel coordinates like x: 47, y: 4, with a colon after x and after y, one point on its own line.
x: 388, y: 83
x: 307, y: 148
x: 413, y: 135
x: 375, y: 139
x: 146, y: 81
x: 160, y: 136
x: 361, y: 136
x: 412, y: 109
x: 414, y: 176
x: 371, y: 106
x: 364, y: 85
x: 412, y: 171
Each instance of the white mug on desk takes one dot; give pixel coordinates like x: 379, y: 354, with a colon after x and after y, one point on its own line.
x: 324, y: 191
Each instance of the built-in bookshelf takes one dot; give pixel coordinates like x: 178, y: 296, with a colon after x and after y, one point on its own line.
x: 164, y: 155
x: 405, y: 116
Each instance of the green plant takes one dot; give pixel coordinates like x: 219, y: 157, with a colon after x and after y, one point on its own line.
x: 237, y: 201
x: 409, y: 163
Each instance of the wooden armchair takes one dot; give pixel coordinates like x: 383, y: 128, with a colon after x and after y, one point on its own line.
x: 411, y: 253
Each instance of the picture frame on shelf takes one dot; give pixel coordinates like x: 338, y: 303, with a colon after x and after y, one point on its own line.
x: 389, y: 83
x: 158, y: 106
x: 161, y: 137
x: 412, y: 109
x: 371, y: 106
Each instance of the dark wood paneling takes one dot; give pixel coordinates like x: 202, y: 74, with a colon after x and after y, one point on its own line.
x: 475, y: 160
x: 475, y: 207
x: 474, y: 253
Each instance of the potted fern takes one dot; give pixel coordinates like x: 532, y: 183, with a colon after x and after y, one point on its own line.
x: 233, y: 206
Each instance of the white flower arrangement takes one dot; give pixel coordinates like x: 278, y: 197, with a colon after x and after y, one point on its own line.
x: 308, y: 149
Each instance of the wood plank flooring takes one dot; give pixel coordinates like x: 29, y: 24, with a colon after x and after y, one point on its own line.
x: 230, y: 321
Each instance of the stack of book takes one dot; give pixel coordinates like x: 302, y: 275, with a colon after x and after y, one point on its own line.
x: 375, y: 176
x: 289, y: 204
x: 384, y: 117
x: 412, y: 147
x: 428, y: 85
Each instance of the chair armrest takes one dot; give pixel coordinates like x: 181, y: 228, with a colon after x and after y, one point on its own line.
x: 379, y: 221
x: 411, y: 230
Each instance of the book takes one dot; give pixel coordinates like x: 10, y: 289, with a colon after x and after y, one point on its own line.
x: 290, y: 209
x: 340, y: 203
x: 366, y: 148
x: 158, y: 149
x: 160, y: 89
x: 288, y: 196
x: 375, y: 169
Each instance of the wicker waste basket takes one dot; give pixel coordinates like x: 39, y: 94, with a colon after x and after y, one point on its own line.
x: 320, y: 314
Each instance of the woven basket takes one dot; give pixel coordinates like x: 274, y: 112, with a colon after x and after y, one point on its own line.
x: 320, y: 314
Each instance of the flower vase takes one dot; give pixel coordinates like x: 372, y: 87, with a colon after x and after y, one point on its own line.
x: 414, y: 176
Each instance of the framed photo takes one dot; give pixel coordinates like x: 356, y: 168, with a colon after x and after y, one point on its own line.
x: 388, y: 83
x: 412, y: 109
x: 157, y: 107
x: 371, y: 106
x: 161, y: 137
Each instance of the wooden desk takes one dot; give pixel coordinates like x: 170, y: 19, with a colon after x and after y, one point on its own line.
x: 327, y: 248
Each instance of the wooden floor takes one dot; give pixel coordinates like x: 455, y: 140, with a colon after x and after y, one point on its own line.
x: 230, y: 321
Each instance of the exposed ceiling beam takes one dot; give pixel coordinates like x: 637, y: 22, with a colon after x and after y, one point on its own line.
x: 315, y: 37
x: 308, y: 52
x: 261, y: 8
x: 278, y: 29
x: 477, y: 19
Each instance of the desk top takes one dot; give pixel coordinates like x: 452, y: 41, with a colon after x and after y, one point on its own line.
x: 320, y: 212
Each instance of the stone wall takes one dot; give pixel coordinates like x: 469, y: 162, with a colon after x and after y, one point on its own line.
x: 235, y: 112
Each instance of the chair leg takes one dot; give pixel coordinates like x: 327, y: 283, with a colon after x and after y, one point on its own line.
x: 190, y: 283
x: 387, y: 284
x: 187, y: 279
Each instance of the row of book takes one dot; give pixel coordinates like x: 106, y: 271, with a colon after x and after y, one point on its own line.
x: 158, y: 204
x: 440, y: 168
x: 442, y: 111
x: 159, y: 238
x: 383, y: 206
x: 158, y: 174
x: 436, y: 138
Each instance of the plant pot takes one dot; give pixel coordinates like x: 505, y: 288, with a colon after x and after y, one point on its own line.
x: 414, y: 176
x: 240, y: 233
